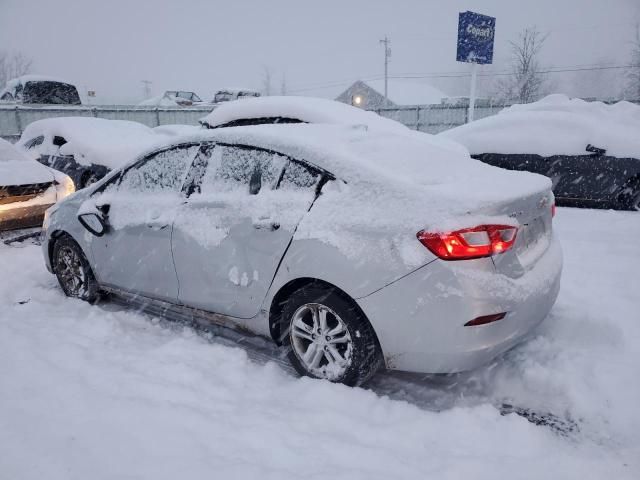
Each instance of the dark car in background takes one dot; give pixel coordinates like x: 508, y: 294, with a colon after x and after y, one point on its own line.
x: 589, y: 150
x: 38, y: 90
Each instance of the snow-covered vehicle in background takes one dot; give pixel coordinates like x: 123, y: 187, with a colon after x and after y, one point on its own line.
x: 85, y: 148
x: 590, y: 150
x: 353, y: 247
x: 27, y: 188
x: 37, y: 89
x: 293, y: 109
x: 173, y: 98
x: 229, y: 94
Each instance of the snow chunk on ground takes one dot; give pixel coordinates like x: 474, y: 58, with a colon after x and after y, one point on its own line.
x: 555, y: 125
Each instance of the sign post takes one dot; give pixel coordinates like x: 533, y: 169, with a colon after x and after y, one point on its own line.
x: 475, y: 45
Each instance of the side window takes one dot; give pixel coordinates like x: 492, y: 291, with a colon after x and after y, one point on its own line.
x: 34, y: 142
x: 297, y: 176
x: 59, y: 141
x: 160, y: 172
x: 240, y: 168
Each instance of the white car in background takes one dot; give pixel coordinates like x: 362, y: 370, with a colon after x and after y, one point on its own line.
x: 85, y: 148
x: 229, y: 94
x: 27, y: 188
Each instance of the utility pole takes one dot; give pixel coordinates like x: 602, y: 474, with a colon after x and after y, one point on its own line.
x: 387, y: 54
x: 147, y: 88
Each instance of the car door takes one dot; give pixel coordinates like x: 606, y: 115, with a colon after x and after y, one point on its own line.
x: 135, y: 253
x: 230, y: 236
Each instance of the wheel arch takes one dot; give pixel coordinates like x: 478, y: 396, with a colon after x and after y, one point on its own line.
x: 279, y: 299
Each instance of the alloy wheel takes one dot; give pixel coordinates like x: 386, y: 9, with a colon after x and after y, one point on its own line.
x: 321, y: 341
x: 71, y: 272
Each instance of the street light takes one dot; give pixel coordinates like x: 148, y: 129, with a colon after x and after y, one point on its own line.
x: 356, y: 100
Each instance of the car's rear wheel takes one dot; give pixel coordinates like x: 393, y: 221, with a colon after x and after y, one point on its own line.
x: 73, y: 271
x: 329, y: 338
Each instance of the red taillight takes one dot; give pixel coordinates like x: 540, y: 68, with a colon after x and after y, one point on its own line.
x: 476, y: 242
x: 553, y: 209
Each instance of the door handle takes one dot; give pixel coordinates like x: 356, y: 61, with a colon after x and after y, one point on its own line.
x: 272, y: 226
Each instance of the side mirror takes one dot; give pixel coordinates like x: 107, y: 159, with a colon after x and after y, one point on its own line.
x: 93, y: 222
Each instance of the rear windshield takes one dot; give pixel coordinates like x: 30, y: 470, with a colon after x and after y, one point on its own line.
x: 50, y: 93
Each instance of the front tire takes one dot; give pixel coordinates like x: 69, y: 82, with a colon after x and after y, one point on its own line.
x: 328, y: 337
x: 72, y: 269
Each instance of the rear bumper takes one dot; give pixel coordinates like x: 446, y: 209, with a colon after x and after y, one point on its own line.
x: 420, y: 319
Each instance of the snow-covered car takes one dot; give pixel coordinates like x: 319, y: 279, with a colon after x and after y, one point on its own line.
x: 590, y: 150
x: 292, y: 109
x: 38, y: 89
x: 173, y: 98
x: 351, y: 247
x: 85, y: 148
x: 228, y: 94
x: 27, y: 188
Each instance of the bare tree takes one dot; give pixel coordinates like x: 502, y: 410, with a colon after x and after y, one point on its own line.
x: 632, y: 77
x: 266, y: 81
x: 526, y: 83
x: 283, y: 84
x: 12, y: 65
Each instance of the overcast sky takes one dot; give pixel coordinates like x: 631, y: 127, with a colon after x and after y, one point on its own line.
x: 203, y: 45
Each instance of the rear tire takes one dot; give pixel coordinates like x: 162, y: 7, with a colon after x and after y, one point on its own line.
x: 72, y: 269
x: 328, y: 336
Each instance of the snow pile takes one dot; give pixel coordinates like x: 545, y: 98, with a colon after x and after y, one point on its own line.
x: 555, y: 125
x: 101, y: 392
x: 111, y: 143
x: 305, y: 109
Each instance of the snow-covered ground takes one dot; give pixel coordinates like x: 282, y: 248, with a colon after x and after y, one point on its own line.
x: 104, y: 392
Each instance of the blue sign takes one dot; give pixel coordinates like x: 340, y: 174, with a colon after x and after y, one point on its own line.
x: 475, y: 38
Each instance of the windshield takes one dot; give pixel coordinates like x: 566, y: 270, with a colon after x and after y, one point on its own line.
x: 50, y: 93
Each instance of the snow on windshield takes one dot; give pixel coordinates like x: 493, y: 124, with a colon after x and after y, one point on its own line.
x: 555, y: 125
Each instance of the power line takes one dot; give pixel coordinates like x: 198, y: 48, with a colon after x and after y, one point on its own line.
x: 576, y: 68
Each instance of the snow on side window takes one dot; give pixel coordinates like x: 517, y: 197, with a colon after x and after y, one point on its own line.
x: 297, y: 176
x: 238, y: 168
x: 161, y: 172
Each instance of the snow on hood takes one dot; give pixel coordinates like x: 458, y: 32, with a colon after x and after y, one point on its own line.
x: 16, y: 168
x: 555, y: 125
x: 111, y: 143
x: 306, y: 109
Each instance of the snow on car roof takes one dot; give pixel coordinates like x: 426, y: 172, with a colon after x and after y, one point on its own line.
x: 399, y: 166
x: 95, y: 140
x: 306, y: 109
x: 555, y: 125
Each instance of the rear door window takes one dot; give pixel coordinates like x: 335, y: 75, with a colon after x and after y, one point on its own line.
x: 234, y: 168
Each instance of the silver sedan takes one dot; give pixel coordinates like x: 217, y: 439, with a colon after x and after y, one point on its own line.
x: 352, y: 248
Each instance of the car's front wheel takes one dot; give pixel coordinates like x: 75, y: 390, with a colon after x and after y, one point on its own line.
x: 73, y: 271
x: 329, y: 338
